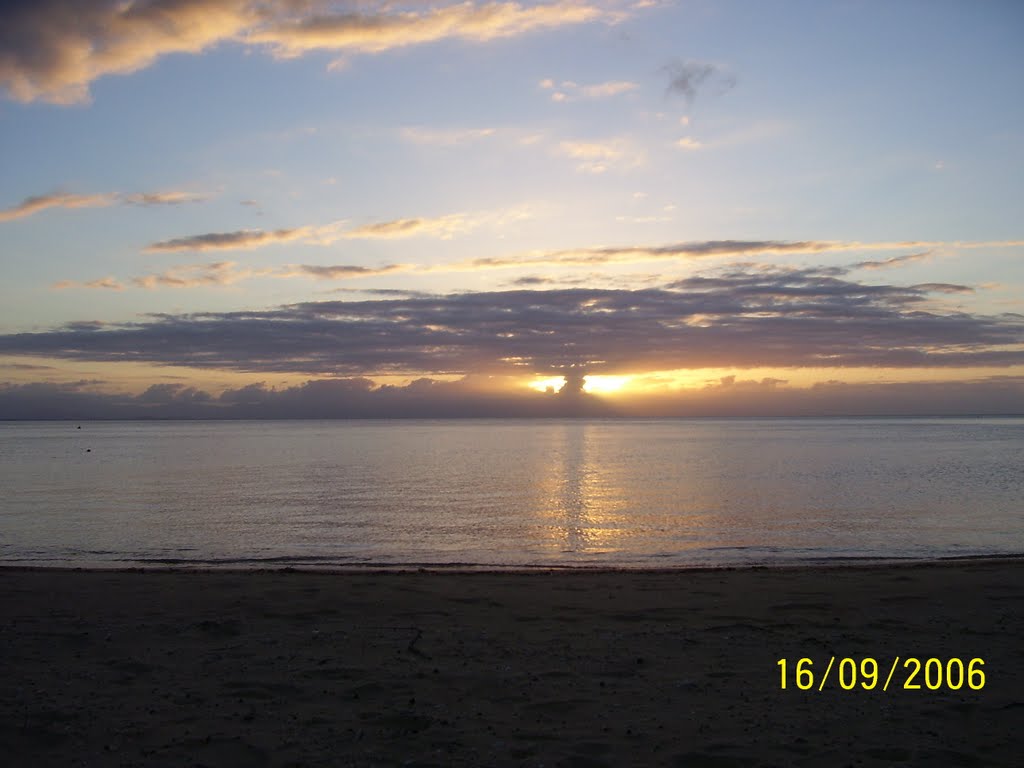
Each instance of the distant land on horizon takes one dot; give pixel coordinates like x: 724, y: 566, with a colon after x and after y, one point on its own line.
x: 262, y: 404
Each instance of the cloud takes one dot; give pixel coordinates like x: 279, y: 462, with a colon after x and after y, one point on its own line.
x: 223, y: 273
x: 108, y: 283
x: 445, y: 138
x: 569, y: 90
x: 672, y: 251
x: 186, y: 275
x: 444, y: 227
x: 164, y: 394
x: 161, y: 198
x: 700, y: 249
x: 600, y: 156
x: 246, y: 239
x: 37, y: 203
x: 390, y: 292
x: 688, y: 78
x: 194, y: 276
x: 609, y: 88
x: 944, y: 288
x: 340, y: 271
x: 689, y: 143
x: 375, y: 33
x: 535, y: 281
x: 28, y: 367
x: 893, y: 261
x: 737, y: 317
x: 52, y: 50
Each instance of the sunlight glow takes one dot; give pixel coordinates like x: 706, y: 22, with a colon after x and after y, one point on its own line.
x: 604, y: 385
x: 554, y: 383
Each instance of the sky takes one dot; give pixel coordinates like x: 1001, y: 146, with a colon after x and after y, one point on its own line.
x: 297, y: 208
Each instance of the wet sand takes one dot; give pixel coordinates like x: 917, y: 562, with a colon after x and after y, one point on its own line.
x: 479, y: 669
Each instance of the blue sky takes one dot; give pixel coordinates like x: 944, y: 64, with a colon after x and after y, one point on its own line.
x: 199, y: 158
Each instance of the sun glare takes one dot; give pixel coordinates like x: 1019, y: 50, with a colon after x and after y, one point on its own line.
x: 551, y: 383
x: 604, y: 385
x: 594, y: 385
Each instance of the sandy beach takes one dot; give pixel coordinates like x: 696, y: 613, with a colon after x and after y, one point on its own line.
x: 555, y: 668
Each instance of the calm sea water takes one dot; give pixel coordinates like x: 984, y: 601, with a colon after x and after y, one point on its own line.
x: 642, y: 493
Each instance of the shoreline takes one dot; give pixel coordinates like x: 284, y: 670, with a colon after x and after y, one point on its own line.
x: 282, y: 667
x: 840, y: 563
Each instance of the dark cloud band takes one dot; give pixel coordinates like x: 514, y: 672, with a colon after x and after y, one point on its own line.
x: 738, y: 318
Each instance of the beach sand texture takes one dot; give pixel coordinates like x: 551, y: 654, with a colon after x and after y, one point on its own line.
x: 554, y: 668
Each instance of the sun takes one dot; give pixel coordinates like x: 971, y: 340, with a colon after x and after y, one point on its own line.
x: 593, y: 385
x: 550, y: 383
x: 604, y: 385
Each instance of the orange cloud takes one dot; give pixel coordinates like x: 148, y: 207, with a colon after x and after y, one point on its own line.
x: 195, y: 275
x: 339, y: 271
x: 109, y: 283
x: 54, y: 49
x: 38, y: 203
x: 444, y: 227
x: 375, y: 33
x: 246, y: 239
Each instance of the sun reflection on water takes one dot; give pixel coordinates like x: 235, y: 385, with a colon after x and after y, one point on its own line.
x: 582, y: 513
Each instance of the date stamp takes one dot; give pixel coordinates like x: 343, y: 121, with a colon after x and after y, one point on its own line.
x: 911, y: 674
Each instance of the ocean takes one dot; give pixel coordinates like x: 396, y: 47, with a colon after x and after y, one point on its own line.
x: 490, y: 493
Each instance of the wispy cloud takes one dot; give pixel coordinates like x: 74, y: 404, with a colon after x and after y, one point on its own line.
x: 673, y: 251
x: 608, y: 88
x: 568, y: 90
x: 689, y: 143
x: 385, y: 30
x: 196, y: 275
x: 893, y: 261
x: 37, y: 203
x: 339, y: 271
x: 444, y: 227
x: 161, y: 198
x: 107, y: 283
x: 180, y: 276
x: 444, y: 137
x: 247, y: 239
x: 54, y: 49
x: 600, y: 156
x: 225, y: 272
